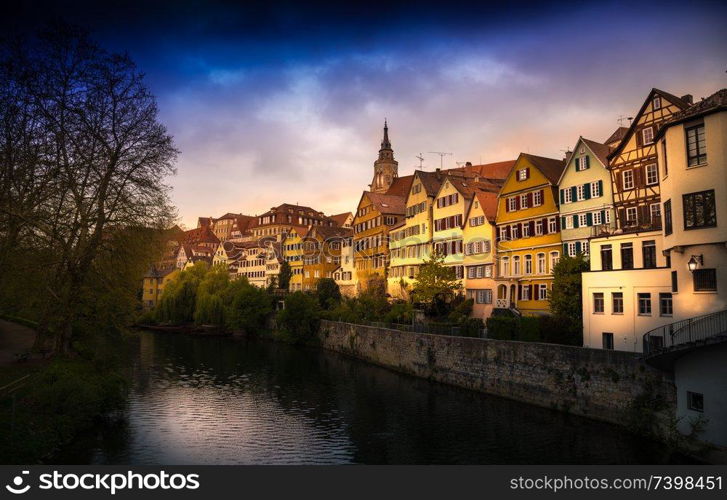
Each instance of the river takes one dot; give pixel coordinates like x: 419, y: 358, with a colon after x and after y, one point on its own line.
x: 213, y: 400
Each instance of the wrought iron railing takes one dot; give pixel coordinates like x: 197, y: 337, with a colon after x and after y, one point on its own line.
x: 430, y: 328
x: 685, y: 331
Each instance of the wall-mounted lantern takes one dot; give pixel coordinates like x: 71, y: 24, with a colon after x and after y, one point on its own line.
x: 694, y: 261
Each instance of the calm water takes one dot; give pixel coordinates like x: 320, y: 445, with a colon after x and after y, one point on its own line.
x: 226, y: 401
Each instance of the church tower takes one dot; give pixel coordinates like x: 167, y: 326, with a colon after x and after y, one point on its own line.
x: 386, y: 168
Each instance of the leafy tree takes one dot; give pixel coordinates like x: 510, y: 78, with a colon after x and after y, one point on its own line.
x: 400, y: 312
x: 300, y: 318
x: 284, y: 276
x: 209, y: 306
x: 249, y: 306
x: 329, y: 294
x: 436, y: 285
x: 566, y: 301
x: 179, y: 300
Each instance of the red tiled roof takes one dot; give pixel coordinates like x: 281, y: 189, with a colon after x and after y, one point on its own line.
x: 488, y: 202
x: 400, y: 186
x: 387, y: 203
x: 340, y: 219
x: 550, y: 167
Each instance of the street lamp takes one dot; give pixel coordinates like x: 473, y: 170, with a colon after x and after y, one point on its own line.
x: 694, y: 261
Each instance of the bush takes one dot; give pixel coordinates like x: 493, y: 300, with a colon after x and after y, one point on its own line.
x: 329, y: 294
x: 472, y: 327
x: 401, y: 312
x: 300, y: 318
x: 461, y: 309
x: 249, y: 306
x: 502, y: 327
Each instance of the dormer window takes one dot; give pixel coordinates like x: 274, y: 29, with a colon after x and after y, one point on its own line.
x: 657, y: 103
x: 523, y: 174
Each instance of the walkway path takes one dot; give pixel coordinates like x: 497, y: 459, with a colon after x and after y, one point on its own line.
x: 14, y: 339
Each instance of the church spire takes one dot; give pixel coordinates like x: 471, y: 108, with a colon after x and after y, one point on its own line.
x: 385, y: 144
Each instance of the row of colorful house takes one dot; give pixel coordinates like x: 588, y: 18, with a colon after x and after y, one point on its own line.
x: 642, y: 206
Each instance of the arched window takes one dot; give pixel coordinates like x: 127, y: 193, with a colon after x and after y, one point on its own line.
x: 516, y: 265
x: 541, y: 263
x: 554, y: 257
x: 528, y: 264
x: 504, y: 266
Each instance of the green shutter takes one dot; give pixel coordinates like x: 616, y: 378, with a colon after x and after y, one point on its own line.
x: 578, y: 164
x: 578, y: 247
x: 561, y: 196
x: 587, y: 190
x: 562, y: 222
x: 575, y: 221
x: 603, y: 216
x: 574, y: 194
x: 565, y: 250
x: 588, y: 162
x: 600, y: 188
x: 589, y: 219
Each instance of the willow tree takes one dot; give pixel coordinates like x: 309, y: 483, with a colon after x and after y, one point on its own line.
x: 88, y: 162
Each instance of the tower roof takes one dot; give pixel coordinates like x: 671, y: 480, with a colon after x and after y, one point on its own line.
x: 386, y: 144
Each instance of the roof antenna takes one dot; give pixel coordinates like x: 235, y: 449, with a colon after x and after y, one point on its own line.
x: 441, y: 157
x: 421, y: 161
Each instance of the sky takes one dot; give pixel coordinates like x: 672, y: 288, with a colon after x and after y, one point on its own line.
x: 285, y: 102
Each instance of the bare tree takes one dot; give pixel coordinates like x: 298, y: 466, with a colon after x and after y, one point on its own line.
x: 96, y: 167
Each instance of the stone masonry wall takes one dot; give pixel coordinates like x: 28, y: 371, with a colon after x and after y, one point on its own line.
x: 594, y: 383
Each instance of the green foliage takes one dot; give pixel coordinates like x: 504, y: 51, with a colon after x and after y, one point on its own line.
x: 435, y: 286
x: 300, y: 318
x: 329, y: 294
x: 179, y: 300
x: 400, y: 312
x: 566, y: 302
x: 461, y: 309
x: 548, y: 329
x: 249, y: 306
x: 209, y: 307
x: 284, y: 276
x: 471, y: 327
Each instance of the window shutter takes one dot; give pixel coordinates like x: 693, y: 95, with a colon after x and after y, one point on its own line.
x: 517, y: 203
x: 587, y: 189
x: 573, y: 193
x: 531, y: 228
x: 589, y: 219
x: 519, y: 292
x: 600, y: 188
x: 622, y: 217
x: 542, y: 197
x: 507, y: 204
x: 578, y: 247
x: 561, y: 197
x: 527, y: 173
x: 575, y: 221
x: 578, y: 164
x: 563, y: 221
x: 557, y: 224
x: 530, y: 199
x: 588, y: 162
x: 565, y: 248
x: 531, y: 291
x: 508, y: 233
x: 603, y: 216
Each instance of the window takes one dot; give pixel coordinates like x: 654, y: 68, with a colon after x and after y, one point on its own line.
x: 537, y: 198
x: 627, y: 256
x: 665, y: 304
x: 656, y: 103
x: 526, y: 230
x: 516, y: 265
x: 515, y: 232
x: 663, y: 155
x: 631, y: 216
x: 525, y: 292
x: 511, y: 204
x: 568, y: 222
x: 607, y: 341
x: 644, y: 304
x: 674, y: 282
x: 628, y: 179
x: 696, y: 147
x: 581, y: 192
x: 554, y: 258
x: 523, y: 201
x: 699, y: 210
x: 652, y: 174
x: 583, y: 220
x: 504, y: 266
x: 598, y: 303
x: 597, y: 219
x: 648, y: 252
x: 571, y: 246
x: 647, y: 135
x: 541, y: 263
x: 585, y: 247
x: 606, y: 258
x: 522, y: 174
x: 552, y: 225
x: 484, y: 296
x: 655, y: 212
x: 595, y: 189
x: 582, y: 163
x: 617, y: 303
x: 538, y: 227
x: 528, y: 264
x: 667, y: 218
x: 695, y: 401
x: 705, y: 280
x: 567, y: 195
x: 543, y: 292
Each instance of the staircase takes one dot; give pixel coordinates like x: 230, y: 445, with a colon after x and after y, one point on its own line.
x: 663, y: 345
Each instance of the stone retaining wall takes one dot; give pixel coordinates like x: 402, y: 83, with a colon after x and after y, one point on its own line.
x: 593, y: 383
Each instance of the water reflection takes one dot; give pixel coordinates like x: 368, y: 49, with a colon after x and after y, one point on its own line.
x: 224, y: 401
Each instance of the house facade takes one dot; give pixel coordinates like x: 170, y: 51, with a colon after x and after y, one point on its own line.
x: 528, y: 234
x: 479, y: 234
x: 293, y: 252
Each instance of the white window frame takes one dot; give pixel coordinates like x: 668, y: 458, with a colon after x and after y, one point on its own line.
x: 512, y: 207
x: 524, y: 201
x: 568, y: 222
x: 525, y: 293
x: 595, y: 191
x: 522, y: 174
x: 526, y: 230
x: 652, y: 169
x: 608, y: 217
x: 630, y: 178
x: 585, y: 247
x: 554, y: 258
x: 567, y: 195
x: 537, y: 199
x: 571, y: 245
x: 634, y: 211
x: 543, y: 292
x: 656, y: 103
x: 552, y: 225
x: 650, y: 131
x: 580, y: 192
x: 538, y: 227
x: 516, y: 269
x: 528, y: 267
x: 596, y: 217
x: 540, y: 263
x: 654, y: 207
x: 582, y: 220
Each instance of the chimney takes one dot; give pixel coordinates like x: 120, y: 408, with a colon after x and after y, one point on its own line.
x: 468, y: 164
x: 687, y: 98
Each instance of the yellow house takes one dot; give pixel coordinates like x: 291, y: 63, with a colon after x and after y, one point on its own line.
x: 322, y: 253
x: 528, y: 234
x: 154, y: 282
x: 479, y: 253
x: 376, y: 214
x: 293, y: 253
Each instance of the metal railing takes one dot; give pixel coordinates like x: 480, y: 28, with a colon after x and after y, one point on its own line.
x: 685, y: 331
x: 11, y: 390
x: 430, y: 328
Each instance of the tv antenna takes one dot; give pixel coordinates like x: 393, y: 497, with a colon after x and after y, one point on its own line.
x: 621, y: 119
x: 421, y: 161
x: 441, y: 157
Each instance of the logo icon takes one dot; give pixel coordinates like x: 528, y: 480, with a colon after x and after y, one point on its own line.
x: 19, y: 489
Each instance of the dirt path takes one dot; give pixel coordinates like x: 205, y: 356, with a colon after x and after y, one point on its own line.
x: 14, y: 338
